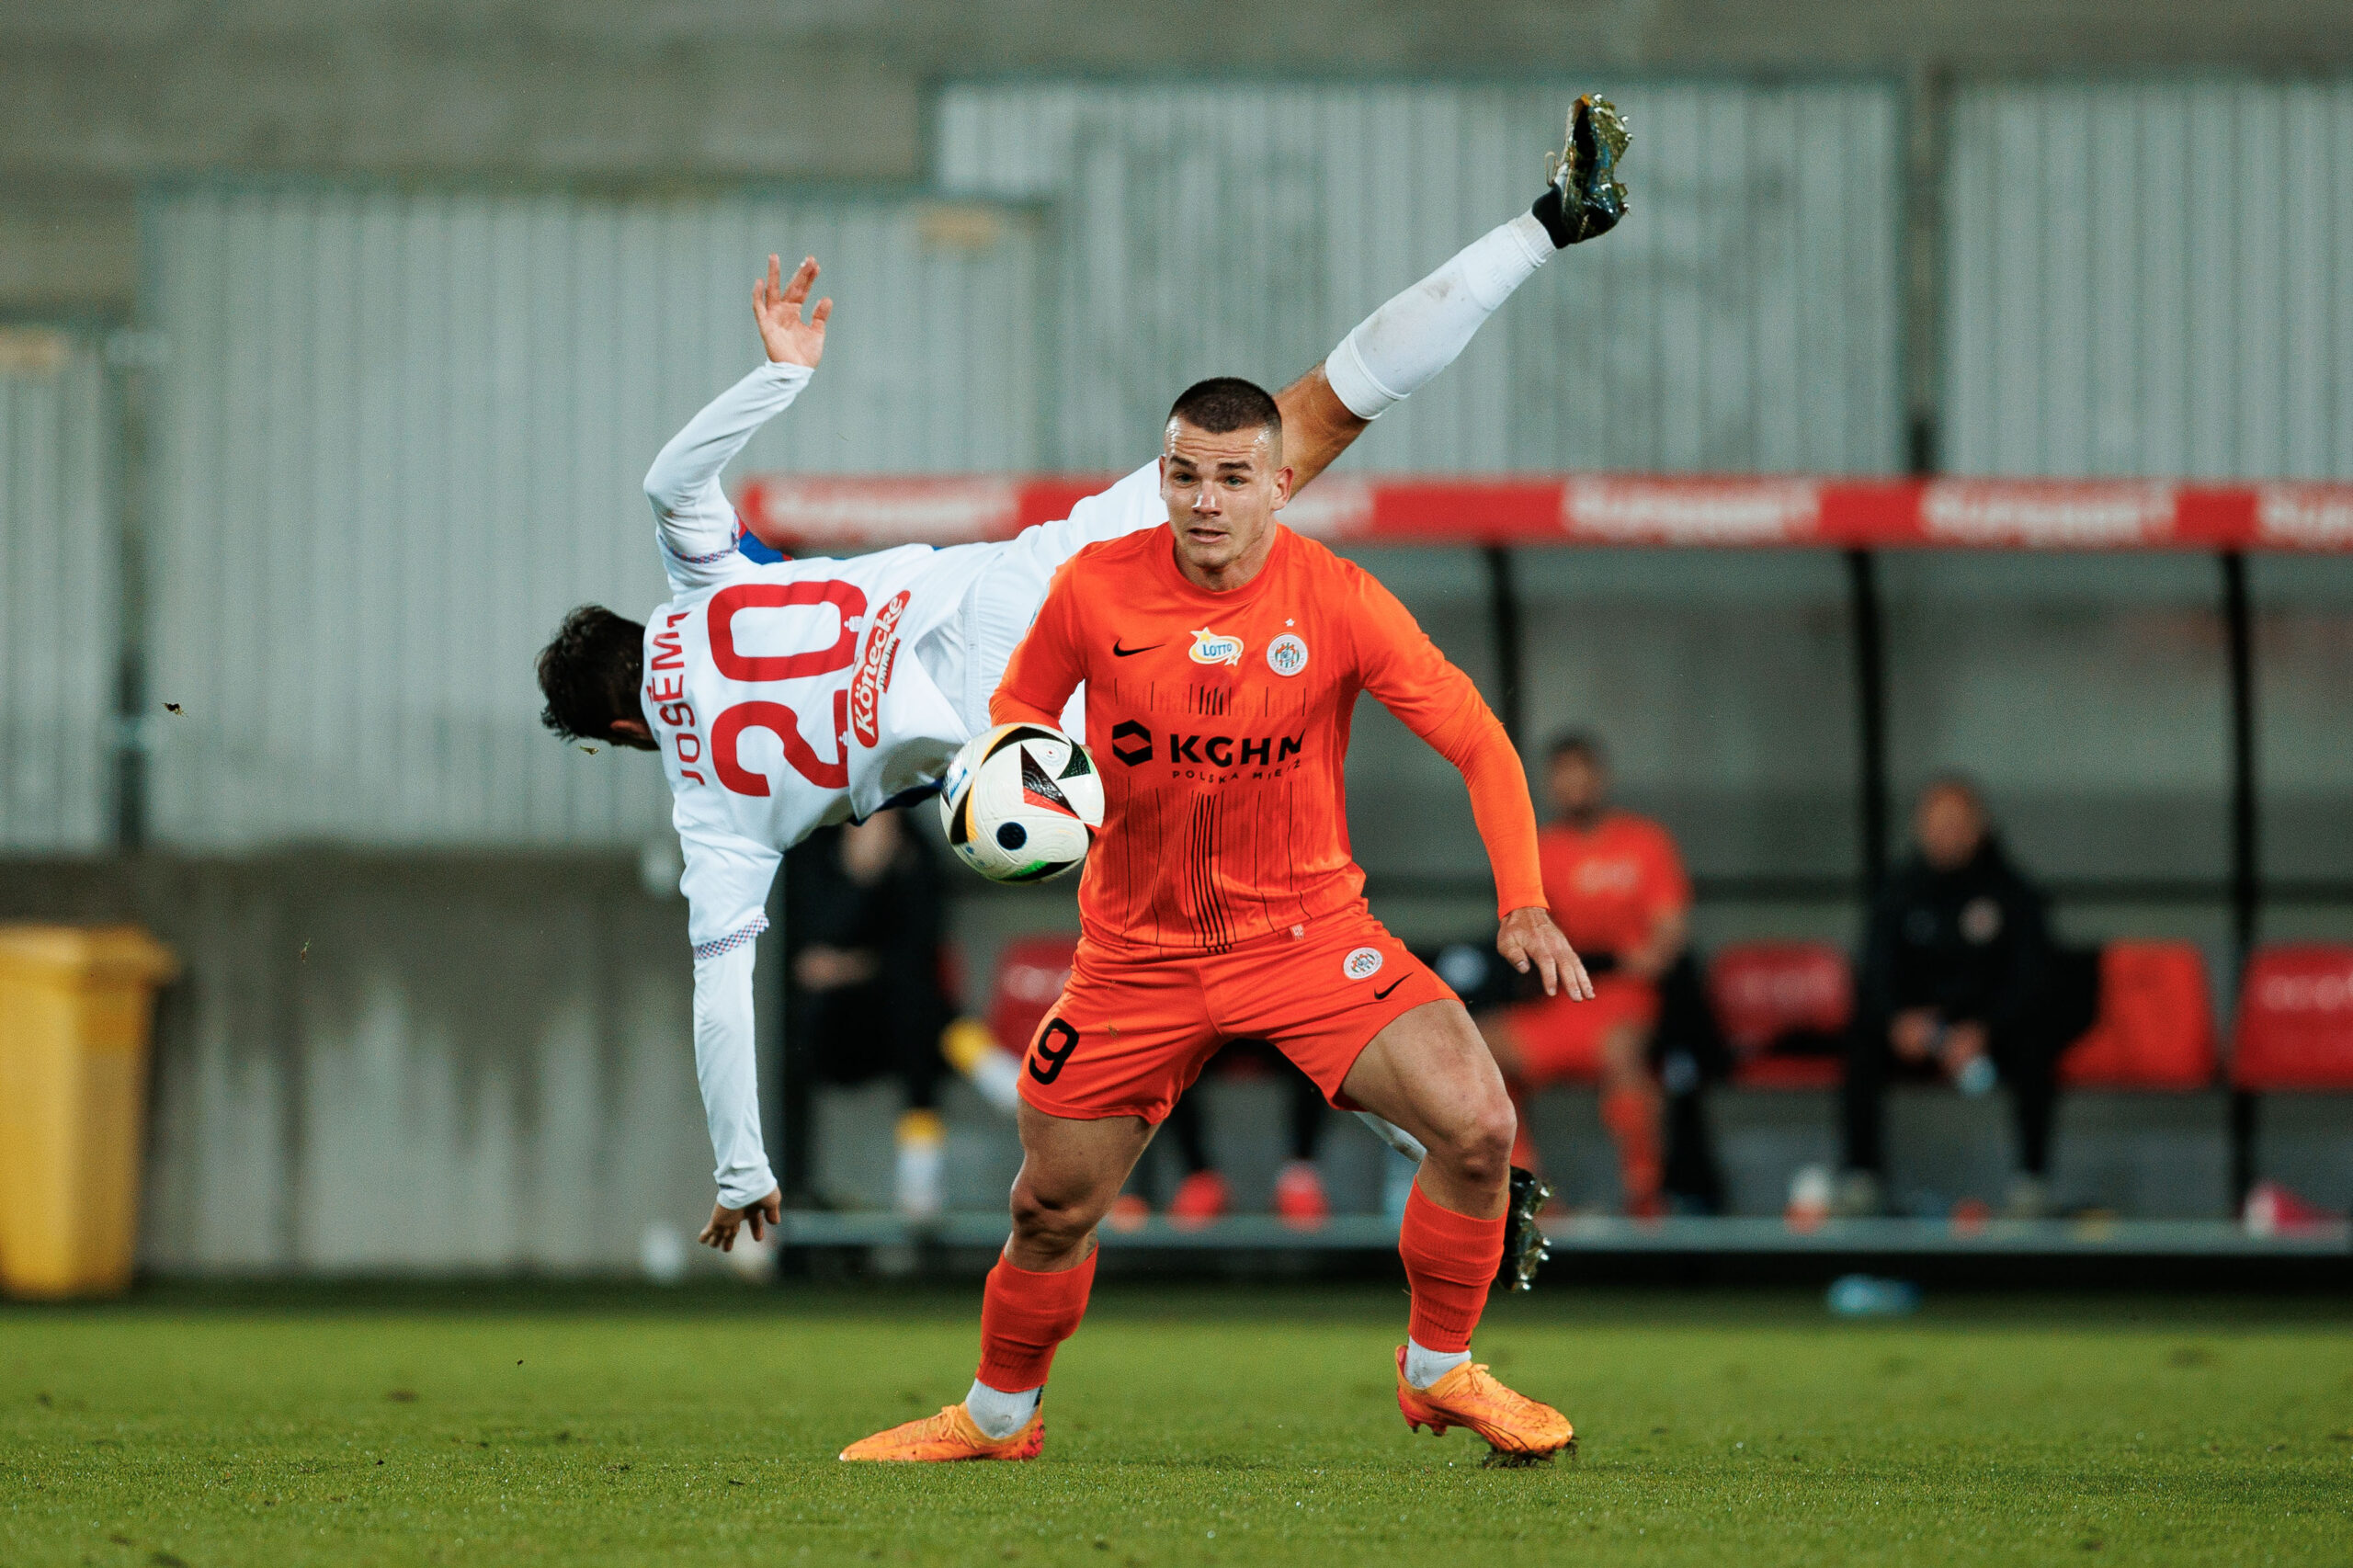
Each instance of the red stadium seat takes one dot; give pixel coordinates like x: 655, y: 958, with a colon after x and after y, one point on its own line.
x: 1767, y: 993
x: 2295, y: 1026
x: 1029, y: 975
x: 2156, y: 1027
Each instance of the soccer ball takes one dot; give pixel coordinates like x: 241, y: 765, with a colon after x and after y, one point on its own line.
x: 1022, y: 803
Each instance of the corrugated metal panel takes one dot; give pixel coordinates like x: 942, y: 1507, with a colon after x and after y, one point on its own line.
x: 2151, y: 279
x: 1745, y: 317
x: 400, y: 434
x: 57, y: 599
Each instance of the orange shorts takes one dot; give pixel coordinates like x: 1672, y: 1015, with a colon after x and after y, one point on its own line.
x: 1557, y: 1037
x: 1129, y: 1035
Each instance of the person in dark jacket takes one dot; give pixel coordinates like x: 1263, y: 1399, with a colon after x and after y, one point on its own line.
x: 864, y: 917
x: 1960, y: 980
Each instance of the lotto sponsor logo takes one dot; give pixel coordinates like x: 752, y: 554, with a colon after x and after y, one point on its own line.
x: 1208, y: 648
x: 874, y: 671
x: 1287, y: 654
x: 2051, y: 516
x: 1691, y: 511
x: 1362, y: 963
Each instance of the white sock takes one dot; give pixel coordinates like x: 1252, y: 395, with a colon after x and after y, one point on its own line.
x: 999, y: 1414
x: 1393, y: 353
x: 1423, y: 1365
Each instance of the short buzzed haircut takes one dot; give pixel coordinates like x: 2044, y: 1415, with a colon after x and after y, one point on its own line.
x: 1223, y: 405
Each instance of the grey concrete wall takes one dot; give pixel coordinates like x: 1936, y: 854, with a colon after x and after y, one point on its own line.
x: 371, y: 1064
x: 97, y: 97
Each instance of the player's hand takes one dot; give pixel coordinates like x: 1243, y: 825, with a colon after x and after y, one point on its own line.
x: 776, y: 305
x: 726, y: 1221
x: 1531, y: 940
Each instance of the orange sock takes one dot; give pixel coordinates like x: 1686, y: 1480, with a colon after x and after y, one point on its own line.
x: 1451, y: 1260
x: 1024, y: 1316
x: 1631, y: 1115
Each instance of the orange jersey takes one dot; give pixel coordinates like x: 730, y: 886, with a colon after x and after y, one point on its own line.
x: 1609, y: 888
x: 1220, y: 723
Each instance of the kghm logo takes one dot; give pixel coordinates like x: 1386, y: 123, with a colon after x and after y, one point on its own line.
x: 1287, y: 654
x: 1131, y: 742
x: 1208, y: 648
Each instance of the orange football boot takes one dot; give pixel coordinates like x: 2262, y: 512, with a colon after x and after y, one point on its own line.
x: 949, y: 1436
x: 1518, y: 1430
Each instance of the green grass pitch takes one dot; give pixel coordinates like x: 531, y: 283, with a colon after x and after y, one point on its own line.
x: 1186, y: 1424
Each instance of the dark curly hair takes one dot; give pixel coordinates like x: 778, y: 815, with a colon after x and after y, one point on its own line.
x: 588, y: 673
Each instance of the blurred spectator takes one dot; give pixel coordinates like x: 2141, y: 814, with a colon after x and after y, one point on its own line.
x: 1618, y: 890
x: 1960, y: 980
x: 862, y: 927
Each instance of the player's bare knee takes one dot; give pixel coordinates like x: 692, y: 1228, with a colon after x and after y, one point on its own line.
x: 1478, y: 1148
x: 1053, y: 1221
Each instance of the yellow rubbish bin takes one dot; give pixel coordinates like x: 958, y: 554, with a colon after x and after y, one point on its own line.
x: 76, y: 1003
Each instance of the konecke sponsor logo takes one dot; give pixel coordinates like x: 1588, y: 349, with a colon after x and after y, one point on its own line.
x: 874, y: 670
x: 1208, y: 648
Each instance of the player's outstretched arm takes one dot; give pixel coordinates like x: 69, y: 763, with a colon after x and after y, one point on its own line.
x: 696, y: 519
x: 1403, y: 669
x: 727, y: 1071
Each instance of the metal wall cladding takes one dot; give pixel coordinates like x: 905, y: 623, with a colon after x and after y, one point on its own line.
x: 1743, y: 318
x: 58, y: 555
x: 2151, y: 278
x: 400, y: 434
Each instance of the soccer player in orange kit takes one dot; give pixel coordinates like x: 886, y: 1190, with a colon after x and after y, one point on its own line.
x: 1223, y: 658
x: 1617, y: 886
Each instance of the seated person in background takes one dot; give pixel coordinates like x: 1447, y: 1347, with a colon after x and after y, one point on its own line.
x: 1619, y: 894
x: 862, y: 927
x: 1958, y: 979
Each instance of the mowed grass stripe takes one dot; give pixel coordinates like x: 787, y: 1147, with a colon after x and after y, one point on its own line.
x: 1241, y: 1426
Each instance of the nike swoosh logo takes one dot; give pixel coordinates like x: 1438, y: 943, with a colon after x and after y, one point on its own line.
x: 1382, y: 994
x: 1120, y: 652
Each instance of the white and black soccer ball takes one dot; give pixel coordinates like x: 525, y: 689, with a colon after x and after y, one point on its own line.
x: 1021, y: 802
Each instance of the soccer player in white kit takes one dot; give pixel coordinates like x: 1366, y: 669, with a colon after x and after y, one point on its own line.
x: 791, y: 695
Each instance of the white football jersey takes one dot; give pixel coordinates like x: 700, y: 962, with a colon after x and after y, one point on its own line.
x: 788, y: 696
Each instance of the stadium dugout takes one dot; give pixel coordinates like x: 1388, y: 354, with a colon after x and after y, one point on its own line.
x: 2156, y: 1049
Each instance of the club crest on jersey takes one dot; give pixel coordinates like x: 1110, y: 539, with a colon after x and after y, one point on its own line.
x: 1362, y: 963
x: 1287, y: 654
x: 1208, y: 648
